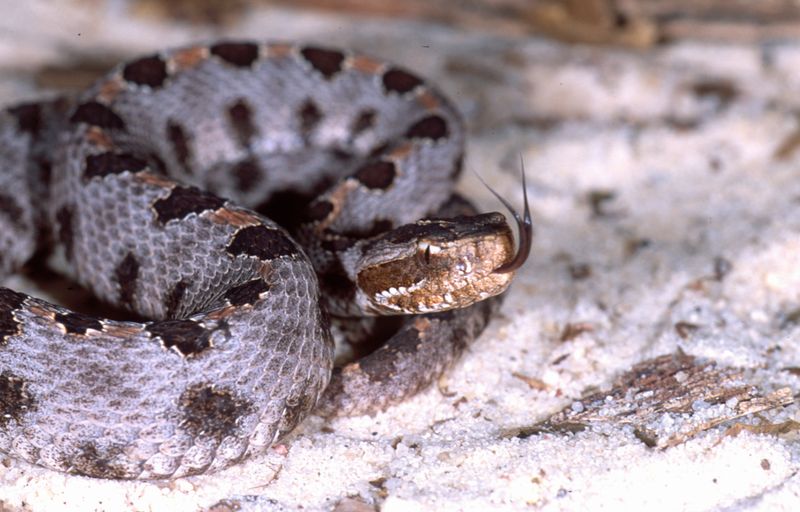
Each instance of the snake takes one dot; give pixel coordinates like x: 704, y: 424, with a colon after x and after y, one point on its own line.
x: 237, y: 199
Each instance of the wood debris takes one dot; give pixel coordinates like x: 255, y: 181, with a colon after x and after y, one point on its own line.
x: 672, y: 398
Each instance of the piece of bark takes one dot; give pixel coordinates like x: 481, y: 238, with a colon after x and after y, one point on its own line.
x: 670, y: 399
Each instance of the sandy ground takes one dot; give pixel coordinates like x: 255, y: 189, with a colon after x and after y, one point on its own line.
x: 666, y: 198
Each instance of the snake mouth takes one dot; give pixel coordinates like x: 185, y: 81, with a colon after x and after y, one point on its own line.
x: 422, y: 298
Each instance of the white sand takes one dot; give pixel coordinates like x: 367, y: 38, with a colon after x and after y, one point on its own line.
x: 695, y: 177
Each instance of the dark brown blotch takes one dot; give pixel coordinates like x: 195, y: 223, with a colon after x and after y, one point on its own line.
x: 180, y: 145
x: 126, y: 274
x: 15, y: 400
x: 262, y: 242
x: 327, y: 62
x: 400, y: 81
x: 212, y: 412
x: 76, y: 323
x: 364, y: 121
x: 238, y: 54
x: 103, y: 164
x: 29, y: 117
x: 241, y: 118
x: 309, y: 115
x: 174, y: 298
x: 45, y: 168
x: 10, y: 301
x: 11, y: 209
x: 66, y: 229
x: 377, y: 175
x: 319, y: 210
x: 247, y: 293
x: 336, y: 283
x: 439, y: 229
x: 186, y: 336
x: 246, y: 174
x: 378, y: 226
x: 150, y: 71
x: 337, y: 243
x: 183, y: 201
x: 97, y: 114
x: 96, y: 463
x: 432, y: 127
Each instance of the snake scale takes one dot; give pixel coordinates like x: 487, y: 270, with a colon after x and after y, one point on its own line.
x: 154, y: 188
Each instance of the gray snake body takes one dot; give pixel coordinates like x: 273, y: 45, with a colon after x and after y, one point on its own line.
x: 126, y: 185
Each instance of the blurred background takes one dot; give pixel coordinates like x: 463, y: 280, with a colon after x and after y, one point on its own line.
x: 86, y: 36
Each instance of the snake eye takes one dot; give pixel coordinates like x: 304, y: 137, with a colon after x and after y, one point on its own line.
x: 427, y: 250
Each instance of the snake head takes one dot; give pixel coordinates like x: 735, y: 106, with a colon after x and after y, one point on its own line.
x: 437, y: 264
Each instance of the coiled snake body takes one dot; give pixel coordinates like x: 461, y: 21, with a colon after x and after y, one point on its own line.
x: 126, y: 185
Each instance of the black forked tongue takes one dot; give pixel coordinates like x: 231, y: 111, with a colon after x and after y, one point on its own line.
x: 524, y: 227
